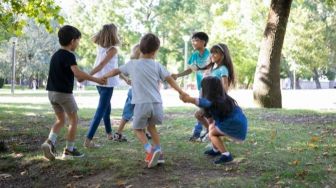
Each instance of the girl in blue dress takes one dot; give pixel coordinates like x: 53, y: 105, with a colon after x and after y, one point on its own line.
x: 221, y: 66
x: 224, y: 117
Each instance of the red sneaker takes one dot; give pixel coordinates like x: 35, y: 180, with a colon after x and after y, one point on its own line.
x: 148, y: 157
x: 153, y: 159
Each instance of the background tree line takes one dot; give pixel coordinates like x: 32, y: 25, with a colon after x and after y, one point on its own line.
x: 309, y: 43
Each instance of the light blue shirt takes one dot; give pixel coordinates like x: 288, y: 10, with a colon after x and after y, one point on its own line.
x: 146, y: 74
x: 220, y: 72
x: 201, y: 61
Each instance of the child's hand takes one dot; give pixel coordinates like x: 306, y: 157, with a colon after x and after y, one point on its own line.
x: 174, y: 76
x: 128, y: 81
x: 184, y: 97
x: 101, y: 80
x: 80, y: 80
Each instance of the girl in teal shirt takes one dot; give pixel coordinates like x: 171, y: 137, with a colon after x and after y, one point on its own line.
x: 221, y: 66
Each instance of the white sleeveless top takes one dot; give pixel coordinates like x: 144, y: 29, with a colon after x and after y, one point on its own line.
x: 112, y: 64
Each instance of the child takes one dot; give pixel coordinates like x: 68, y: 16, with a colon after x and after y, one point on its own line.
x: 148, y: 111
x: 63, y: 69
x: 106, y: 60
x: 128, y: 107
x: 225, y: 117
x: 199, y: 58
x: 221, y: 66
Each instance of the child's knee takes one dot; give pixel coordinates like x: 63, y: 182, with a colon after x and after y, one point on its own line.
x: 199, y: 114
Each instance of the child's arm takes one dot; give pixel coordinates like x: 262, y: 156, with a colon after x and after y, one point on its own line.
x: 174, y: 85
x: 125, y: 78
x: 113, y: 72
x: 186, y: 98
x: 81, y: 76
x: 110, y: 53
x: 184, y: 73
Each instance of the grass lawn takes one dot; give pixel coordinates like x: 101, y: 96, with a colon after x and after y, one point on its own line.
x: 284, y: 148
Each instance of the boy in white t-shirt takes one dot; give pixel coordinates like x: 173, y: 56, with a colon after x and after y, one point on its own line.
x: 146, y: 74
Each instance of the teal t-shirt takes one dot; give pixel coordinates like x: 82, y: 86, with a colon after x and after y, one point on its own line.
x: 220, y: 72
x: 201, y: 61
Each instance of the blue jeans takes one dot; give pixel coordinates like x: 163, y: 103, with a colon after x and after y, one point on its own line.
x: 197, y: 129
x: 128, y: 107
x: 103, y: 111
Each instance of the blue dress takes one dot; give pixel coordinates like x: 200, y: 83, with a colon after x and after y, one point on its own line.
x: 233, y: 125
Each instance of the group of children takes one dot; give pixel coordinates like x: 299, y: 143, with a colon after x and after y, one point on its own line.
x: 218, y: 112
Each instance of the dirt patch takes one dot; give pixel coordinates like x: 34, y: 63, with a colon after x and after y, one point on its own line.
x: 299, y: 119
x: 182, y: 173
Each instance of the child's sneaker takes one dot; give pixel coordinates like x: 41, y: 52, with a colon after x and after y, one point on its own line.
x: 205, y: 137
x: 148, y: 157
x: 67, y: 154
x: 193, y: 138
x: 90, y: 144
x: 161, y: 159
x: 153, y: 158
x: 211, y: 152
x: 49, y: 150
x: 119, y: 137
x: 223, y: 159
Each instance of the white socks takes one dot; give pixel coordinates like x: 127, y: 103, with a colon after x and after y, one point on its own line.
x: 226, y: 153
x: 52, y: 137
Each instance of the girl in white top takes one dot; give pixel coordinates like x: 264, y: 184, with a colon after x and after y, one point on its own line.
x: 106, y: 60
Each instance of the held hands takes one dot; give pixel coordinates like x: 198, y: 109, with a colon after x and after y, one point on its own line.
x: 174, y: 76
x: 102, y: 80
x: 184, y: 97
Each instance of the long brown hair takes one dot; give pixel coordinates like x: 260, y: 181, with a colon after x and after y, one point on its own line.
x: 212, y: 90
x: 107, y: 36
x: 226, y: 61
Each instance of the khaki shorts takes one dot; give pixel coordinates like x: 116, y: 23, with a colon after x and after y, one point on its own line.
x: 62, y: 102
x: 147, y: 114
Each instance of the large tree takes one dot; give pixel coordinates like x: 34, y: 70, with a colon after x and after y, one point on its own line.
x: 266, y: 86
x: 14, y: 15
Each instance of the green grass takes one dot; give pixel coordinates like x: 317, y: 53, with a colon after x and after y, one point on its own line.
x: 285, y: 148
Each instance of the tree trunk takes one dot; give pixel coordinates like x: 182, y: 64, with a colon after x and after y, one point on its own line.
x: 297, y: 83
x: 316, y: 79
x: 266, y: 86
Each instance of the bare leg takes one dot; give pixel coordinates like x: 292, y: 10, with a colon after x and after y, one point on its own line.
x: 199, y: 115
x: 59, y: 123
x: 73, y: 120
x: 215, y: 139
x: 155, y: 136
x: 121, y: 125
x: 141, y: 136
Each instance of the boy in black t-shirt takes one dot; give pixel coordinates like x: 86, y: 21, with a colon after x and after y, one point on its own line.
x: 63, y: 69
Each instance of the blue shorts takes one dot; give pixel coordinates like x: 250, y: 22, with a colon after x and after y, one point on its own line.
x: 128, y: 107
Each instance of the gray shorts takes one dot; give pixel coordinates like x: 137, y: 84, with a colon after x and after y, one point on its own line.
x: 62, y: 102
x: 147, y: 114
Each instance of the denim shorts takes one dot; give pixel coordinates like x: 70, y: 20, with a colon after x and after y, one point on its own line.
x: 62, y: 102
x: 128, y: 110
x: 147, y: 114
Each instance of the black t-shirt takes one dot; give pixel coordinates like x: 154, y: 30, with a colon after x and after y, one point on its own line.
x: 61, y: 77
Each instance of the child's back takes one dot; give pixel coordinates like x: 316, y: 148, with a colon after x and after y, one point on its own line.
x: 146, y: 75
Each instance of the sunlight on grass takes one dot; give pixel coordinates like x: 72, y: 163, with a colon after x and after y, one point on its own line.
x: 274, y: 154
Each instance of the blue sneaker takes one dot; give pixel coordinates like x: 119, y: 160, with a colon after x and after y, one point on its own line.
x: 211, y: 152
x: 223, y: 159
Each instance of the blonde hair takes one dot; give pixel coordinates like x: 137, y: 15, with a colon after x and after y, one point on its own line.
x: 135, y: 53
x: 107, y: 36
